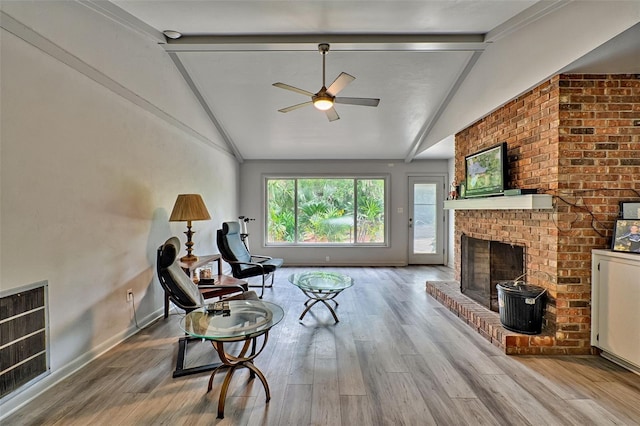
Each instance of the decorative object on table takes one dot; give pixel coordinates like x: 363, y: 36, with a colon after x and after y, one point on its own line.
x: 218, y: 308
x: 189, y: 207
x: 629, y: 210
x: 205, y: 274
x: 244, y: 264
x: 626, y: 236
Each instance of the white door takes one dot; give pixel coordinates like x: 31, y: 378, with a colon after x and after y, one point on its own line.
x: 426, y: 220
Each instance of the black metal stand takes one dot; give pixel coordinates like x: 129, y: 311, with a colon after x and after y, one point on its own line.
x: 182, y: 355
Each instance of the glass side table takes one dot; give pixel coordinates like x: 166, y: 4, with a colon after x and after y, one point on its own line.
x: 322, y: 287
x: 243, y: 321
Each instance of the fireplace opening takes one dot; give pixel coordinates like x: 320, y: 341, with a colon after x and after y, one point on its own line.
x: 484, y: 263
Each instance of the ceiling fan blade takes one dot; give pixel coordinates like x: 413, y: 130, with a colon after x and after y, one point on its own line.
x: 293, y: 89
x: 340, y: 83
x: 292, y: 107
x: 332, y: 115
x: 358, y: 101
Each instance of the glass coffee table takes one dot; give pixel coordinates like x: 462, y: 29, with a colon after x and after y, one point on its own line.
x: 322, y: 287
x: 238, y: 321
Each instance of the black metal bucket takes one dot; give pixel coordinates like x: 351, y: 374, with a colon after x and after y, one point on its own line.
x: 521, y: 306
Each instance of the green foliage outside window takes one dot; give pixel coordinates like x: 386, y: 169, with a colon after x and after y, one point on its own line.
x: 322, y: 210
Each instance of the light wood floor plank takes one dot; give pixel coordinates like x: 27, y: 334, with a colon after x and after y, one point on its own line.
x: 592, y: 414
x: 472, y: 412
x: 349, y: 372
x: 297, y: 410
x: 325, y: 406
x: 439, y: 403
x: 358, y: 410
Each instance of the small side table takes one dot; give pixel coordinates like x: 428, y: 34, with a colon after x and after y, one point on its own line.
x: 322, y: 287
x: 245, y: 322
x: 190, y: 267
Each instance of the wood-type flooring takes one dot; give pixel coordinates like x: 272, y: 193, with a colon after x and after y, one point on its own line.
x: 397, y: 357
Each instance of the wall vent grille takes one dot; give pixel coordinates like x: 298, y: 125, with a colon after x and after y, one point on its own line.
x: 24, y: 337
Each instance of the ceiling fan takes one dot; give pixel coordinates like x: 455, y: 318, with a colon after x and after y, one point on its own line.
x: 326, y: 97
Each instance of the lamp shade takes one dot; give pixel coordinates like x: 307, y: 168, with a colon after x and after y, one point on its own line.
x: 189, y: 207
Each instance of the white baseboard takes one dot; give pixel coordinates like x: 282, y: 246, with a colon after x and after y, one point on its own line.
x: 346, y: 264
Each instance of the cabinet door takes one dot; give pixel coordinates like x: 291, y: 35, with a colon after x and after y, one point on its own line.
x: 619, y: 309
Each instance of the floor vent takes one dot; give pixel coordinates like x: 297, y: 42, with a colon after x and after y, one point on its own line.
x: 24, y: 340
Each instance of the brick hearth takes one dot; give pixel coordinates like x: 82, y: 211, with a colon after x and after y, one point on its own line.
x: 487, y: 323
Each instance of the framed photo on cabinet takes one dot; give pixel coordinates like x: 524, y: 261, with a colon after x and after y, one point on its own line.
x: 626, y: 236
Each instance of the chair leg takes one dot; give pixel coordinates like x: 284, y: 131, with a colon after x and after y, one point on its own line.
x: 264, y: 280
x: 262, y: 292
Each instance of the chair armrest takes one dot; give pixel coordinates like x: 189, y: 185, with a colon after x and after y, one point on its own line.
x: 222, y: 286
x: 246, y: 263
x: 258, y: 256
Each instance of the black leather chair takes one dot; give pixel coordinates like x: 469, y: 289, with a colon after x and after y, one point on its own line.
x: 244, y: 264
x: 188, y: 296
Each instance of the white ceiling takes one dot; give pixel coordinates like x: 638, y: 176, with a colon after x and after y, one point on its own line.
x: 413, y: 55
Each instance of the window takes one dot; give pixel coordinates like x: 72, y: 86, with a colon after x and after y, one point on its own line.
x: 348, y: 211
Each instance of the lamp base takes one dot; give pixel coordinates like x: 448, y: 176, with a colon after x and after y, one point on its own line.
x: 189, y: 258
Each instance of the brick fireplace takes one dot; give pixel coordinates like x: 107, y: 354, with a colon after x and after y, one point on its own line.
x: 576, y: 137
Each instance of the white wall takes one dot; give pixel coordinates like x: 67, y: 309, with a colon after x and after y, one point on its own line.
x: 252, y: 205
x: 88, y: 177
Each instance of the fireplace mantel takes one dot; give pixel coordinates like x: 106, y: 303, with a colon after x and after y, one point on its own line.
x: 511, y: 202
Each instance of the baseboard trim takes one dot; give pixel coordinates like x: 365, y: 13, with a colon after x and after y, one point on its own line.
x: 621, y: 362
x: 346, y: 264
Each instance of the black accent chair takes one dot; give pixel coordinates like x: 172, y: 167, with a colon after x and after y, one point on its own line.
x: 189, y: 296
x: 244, y: 264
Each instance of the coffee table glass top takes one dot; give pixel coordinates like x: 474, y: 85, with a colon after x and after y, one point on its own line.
x: 246, y: 318
x: 321, y: 281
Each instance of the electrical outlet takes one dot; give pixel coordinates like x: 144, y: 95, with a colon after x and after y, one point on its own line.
x: 129, y: 295
x: 327, y: 258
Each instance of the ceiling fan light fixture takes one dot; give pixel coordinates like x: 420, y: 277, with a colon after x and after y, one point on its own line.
x: 323, y: 103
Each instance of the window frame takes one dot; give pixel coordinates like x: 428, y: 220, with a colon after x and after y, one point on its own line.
x: 298, y: 176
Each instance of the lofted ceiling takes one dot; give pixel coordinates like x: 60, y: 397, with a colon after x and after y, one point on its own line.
x: 413, y: 55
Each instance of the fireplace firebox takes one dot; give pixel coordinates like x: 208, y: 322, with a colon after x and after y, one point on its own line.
x: 484, y: 263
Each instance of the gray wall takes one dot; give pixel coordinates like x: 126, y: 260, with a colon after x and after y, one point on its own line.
x: 252, y: 205
x: 95, y: 149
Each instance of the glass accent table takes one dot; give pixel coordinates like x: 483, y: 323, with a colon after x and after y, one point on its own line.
x: 245, y: 321
x: 322, y: 287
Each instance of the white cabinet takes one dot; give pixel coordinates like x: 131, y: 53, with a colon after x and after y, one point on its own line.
x: 615, y: 306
